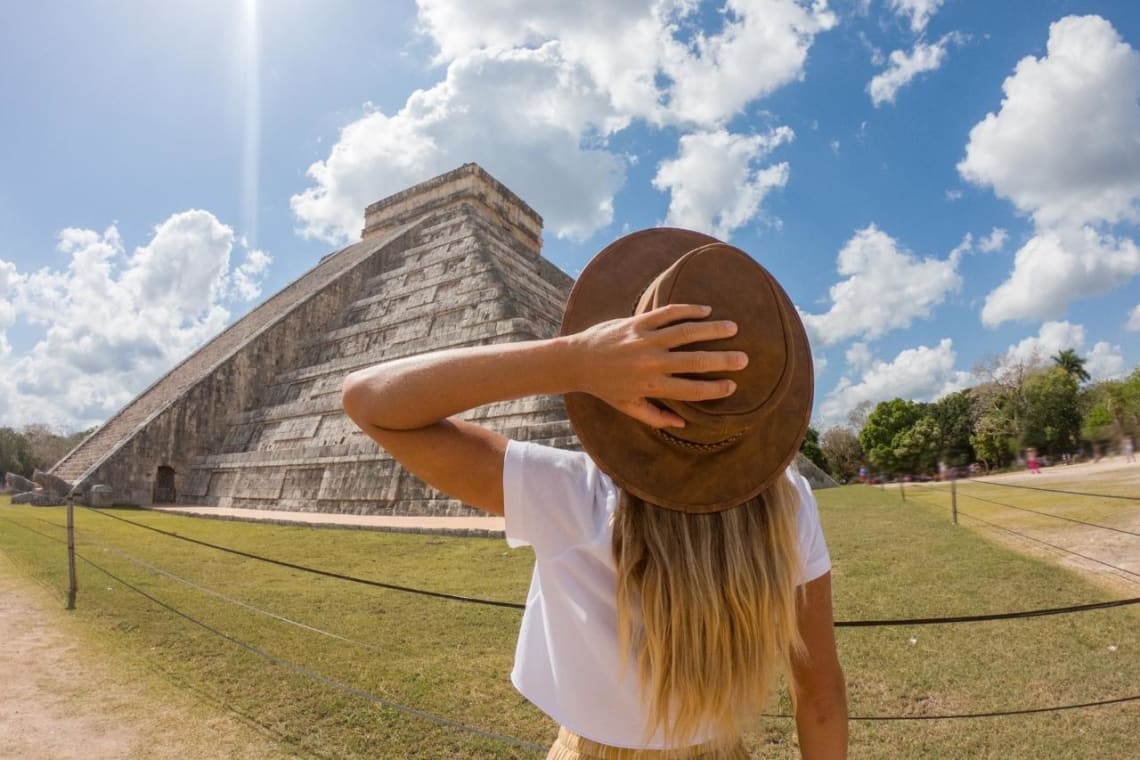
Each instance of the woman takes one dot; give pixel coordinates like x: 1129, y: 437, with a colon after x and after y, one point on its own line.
x: 679, y: 563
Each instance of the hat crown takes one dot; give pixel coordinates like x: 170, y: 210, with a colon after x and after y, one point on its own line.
x: 738, y: 289
x: 732, y: 448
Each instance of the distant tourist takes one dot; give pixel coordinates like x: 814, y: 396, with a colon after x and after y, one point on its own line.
x: 679, y: 561
x: 1032, y: 462
x: 1129, y: 449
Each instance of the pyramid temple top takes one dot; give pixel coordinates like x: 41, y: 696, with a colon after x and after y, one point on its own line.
x: 469, y: 183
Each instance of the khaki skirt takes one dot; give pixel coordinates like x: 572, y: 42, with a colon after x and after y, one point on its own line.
x: 570, y: 746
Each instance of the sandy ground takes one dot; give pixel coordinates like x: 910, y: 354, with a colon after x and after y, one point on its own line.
x: 59, y: 701
x: 1113, y: 475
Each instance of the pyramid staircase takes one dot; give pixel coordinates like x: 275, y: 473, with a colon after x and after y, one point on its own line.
x: 458, y: 284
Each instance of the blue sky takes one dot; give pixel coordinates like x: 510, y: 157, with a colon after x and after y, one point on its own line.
x: 935, y: 182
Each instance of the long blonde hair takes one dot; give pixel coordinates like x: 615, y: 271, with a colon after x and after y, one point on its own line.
x: 707, y: 606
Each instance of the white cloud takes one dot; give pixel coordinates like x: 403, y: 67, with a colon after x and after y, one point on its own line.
x: 715, y: 184
x: 1055, y: 268
x: 112, y: 322
x: 533, y: 91
x: 920, y: 374
x: 1105, y: 362
x: 764, y: 48
x: 859, y: 357
x: 995, y: 241
x: 649, y: 56
x: 1133, y: 323
x: 246, y: 279
x: 8, y: 282
x: 1065, y: 150
x: 903, y: 67
x: 1051, y: 339
x: 886, y: 288
x: 953, y: 194
x: 1101, y: 362
x: 1065, y: 146
x: 920, y: 11
x: 521, y: 114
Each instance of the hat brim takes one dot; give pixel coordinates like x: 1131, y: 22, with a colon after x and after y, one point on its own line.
x: 638, y: 458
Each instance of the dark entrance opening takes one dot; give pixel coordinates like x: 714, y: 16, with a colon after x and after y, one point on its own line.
x: 164, y: 486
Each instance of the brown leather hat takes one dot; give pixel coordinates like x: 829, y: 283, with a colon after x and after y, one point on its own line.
x: 732, y: 448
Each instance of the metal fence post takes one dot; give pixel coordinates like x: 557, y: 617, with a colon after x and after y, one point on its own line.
x: 954, y: 498
x: 72, y: 587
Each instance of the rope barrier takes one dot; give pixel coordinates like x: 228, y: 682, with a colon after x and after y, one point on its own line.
x: 1048, y: 514
x: 446, y: 722
x: 988, y: 617
x: 885, y: 622
x: 316, y: 571
x: 308, y: 673
x: 1051, y: 546
x: 237, y: 602
x: 992, y: 714
x: 1058, y: 490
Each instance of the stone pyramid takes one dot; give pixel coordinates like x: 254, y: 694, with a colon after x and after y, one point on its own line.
x: 253, y: 418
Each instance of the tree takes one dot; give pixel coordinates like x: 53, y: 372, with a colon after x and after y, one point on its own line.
x: 1111, y: 409
x: 15, y: 455
x: 47, y: 446
x: 841, y: 449
x: 999, y: 404
x: 1052, y: 422
x: 888, y: 420
x: 991, y: 442
x: 1072, y: 364
x: 953, y: 414
x: 916, y: 448
x: 810, y: 449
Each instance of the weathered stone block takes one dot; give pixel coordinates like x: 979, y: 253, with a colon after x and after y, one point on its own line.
x: 51, y: 484
x: 39, y: 499
x: 18, y: 483
x: 100, y: 496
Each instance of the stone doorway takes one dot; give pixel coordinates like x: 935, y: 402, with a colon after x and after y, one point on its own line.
x: 164, y: 486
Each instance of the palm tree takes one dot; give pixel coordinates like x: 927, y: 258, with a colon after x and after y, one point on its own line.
x: 1073, y: 364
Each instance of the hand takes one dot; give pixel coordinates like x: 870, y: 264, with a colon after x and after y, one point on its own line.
x: 626, y: 362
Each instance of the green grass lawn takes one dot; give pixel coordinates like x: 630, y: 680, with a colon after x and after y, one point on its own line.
x: 891, y: 559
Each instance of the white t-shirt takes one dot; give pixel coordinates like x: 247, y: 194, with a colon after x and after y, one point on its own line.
x: 567, y: 661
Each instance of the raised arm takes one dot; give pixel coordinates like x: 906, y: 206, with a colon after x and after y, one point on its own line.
x: 821, y: 693
x: 407, y: 405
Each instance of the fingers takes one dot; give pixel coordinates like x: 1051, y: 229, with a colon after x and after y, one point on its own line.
x: 700, y: 362
x: 684, y: 389
x: 674, y: 312
x: 685, y: 333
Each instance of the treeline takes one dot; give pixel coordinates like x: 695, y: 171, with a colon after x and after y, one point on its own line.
x: 35, y: 447
x: 1049, y: 406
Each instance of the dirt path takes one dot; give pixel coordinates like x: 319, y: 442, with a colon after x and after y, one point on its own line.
x: 59, y: 701
x: 1120, y: 549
